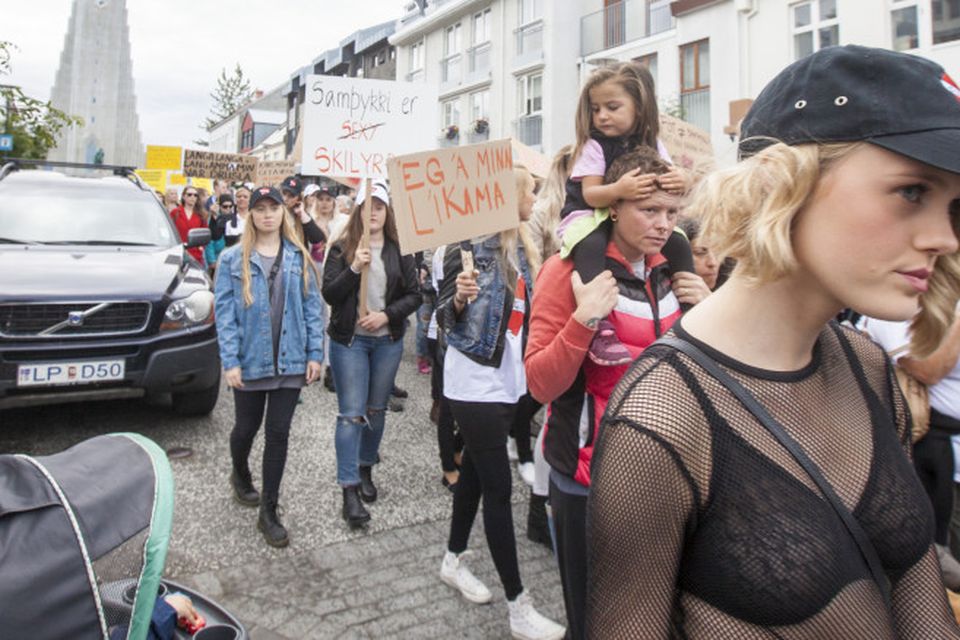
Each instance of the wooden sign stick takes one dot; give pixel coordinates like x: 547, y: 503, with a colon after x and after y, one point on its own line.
x: 466, y: 259
x: 365, y: 242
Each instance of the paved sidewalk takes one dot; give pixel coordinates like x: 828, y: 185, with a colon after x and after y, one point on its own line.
x: 382, y: 585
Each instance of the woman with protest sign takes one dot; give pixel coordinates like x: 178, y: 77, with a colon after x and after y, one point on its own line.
x: 753, y: 474
x: 365, y: 351
x: 483, y: 308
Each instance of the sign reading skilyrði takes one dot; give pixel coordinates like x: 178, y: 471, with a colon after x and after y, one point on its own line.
x: 448, y: 195
x: 223, y: 166
x: 352, y: 126
x: 159, y: 157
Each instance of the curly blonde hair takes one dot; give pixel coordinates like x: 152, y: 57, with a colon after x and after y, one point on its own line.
x: 747, y: 213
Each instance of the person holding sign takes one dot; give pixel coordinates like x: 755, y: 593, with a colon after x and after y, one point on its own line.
x: 752, y: 475
x: 270, y: 329
x: 365, y: 350
x: 483, y: 313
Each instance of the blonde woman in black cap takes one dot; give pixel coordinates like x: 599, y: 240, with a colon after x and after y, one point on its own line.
x: 270, y: 330
x: 752, y: 477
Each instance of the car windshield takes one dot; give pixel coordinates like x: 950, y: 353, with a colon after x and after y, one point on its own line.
x: 84, y: 216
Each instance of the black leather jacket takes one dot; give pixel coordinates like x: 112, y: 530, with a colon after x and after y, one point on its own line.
x: 341, y: 288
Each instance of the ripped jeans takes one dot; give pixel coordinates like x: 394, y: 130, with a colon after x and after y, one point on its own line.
x: 363, y: 374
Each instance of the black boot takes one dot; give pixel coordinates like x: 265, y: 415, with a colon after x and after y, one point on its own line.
x: 353, y: 510
x: 368, y: 490
x: 538, y: 529
x: 269, y: 524
x: 243, y: 490
x: 328, y: 381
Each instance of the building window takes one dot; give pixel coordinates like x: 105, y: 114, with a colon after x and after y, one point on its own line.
x: 659, y: 17
x: 946, y: 20
x: 695, y: 83
x: 530, y: 30
x: 450, y: 65
x: 479, y: 105
x: 530, y: 91
x: 451, y: 113
x: 815, y: 26
x: 905, y: 28
x: 416, y: 62
x: 479, y: 53
x: 650, y: 62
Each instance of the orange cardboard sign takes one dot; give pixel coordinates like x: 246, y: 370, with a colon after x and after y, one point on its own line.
x: 453, y: 194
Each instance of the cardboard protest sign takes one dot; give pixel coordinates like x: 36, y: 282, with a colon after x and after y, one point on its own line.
x: 447, y: 195
x: 689, y: 146
x: 225, y: 166
x: 272, y: 172
x: 154, y: 178
x: 352, y: 126
x: 164, y: 157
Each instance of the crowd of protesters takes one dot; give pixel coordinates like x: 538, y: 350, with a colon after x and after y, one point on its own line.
x: 720, y: 456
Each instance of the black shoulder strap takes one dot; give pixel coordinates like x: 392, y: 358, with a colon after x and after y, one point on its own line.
x: 795, y: 450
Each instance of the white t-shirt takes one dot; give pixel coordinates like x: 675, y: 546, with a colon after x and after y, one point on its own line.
x: 467, y: 381
x: 436, y: 277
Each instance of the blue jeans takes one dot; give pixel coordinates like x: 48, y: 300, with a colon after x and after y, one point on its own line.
x: 363, y: 374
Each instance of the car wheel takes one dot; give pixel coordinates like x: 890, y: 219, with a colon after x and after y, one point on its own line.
x: 196, y: 403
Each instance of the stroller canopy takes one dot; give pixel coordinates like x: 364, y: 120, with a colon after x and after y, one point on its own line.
x: 83, y: 538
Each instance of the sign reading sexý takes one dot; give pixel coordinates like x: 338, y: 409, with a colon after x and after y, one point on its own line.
x: 448, y: 195
x: 352, y: 126
x: 223, y: 166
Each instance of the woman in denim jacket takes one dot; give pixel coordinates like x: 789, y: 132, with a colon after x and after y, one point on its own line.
x: 270, y: 329
x: 365, y: 351
x: 483, y: 315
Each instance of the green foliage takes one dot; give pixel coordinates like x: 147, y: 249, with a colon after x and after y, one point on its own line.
x: 34, y: 124
x: 232, y: 92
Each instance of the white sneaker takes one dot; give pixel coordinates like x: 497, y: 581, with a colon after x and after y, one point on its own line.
x: 512, y: 455
x: 527, y: 624
x: 455, y: 573
x: 527, y: 472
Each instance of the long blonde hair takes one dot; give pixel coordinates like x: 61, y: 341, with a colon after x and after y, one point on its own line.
x: 550, y: 200
x: 748, y: 211
x: 510, y: 237
x: 288, y: 232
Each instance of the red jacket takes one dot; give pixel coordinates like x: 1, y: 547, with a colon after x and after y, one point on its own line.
x: 559, y: 373
x: 184, y: 225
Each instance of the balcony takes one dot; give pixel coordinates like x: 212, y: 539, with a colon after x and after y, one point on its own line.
x: 529, y: 130
x: 451, y: 71
x: 622, y: 22
x: 478, y: 62
x: 529, y: 43
x: 695, y: 108
x: 416, y: 75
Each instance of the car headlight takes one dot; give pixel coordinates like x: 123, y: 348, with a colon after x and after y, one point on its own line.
x: 195, y: 309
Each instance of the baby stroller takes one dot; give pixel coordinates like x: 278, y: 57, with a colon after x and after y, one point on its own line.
x: 83, y: 540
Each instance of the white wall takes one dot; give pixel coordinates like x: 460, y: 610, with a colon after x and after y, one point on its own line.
x: 225, y: 138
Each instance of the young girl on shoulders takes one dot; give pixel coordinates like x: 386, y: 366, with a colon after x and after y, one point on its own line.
x: 617, y: 112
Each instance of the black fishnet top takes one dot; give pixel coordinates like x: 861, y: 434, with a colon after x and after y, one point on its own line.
x: 702, y: 526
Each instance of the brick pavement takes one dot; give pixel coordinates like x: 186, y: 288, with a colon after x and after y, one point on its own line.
x: 382, y: 585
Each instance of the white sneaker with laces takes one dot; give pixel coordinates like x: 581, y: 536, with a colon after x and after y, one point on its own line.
x: 512, y: 455
x: 455, y: 573
x: 527, y: 624
x: 527, y: 472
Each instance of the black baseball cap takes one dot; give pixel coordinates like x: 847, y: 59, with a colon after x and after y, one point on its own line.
x: 293, y: 184
x: 265, y: 192
x: 897, y: 101
x: 225, y: 198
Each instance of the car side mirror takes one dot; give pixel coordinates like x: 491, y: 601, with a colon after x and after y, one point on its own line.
x: 197, y: 238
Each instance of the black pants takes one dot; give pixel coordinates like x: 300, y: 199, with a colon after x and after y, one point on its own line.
x: 249, y: 406
x: 485, y: 473
x: 449, y: 440
x: 520, y: 431
x: 570, y: 524
x: 933, y: 459
x: 589, y: 255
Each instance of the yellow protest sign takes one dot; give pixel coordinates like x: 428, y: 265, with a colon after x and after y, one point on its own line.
x: 202, y: 183
x: 154, y: 178
x: 176, y: 179
x: 164, y: 157
x: 452, y: 194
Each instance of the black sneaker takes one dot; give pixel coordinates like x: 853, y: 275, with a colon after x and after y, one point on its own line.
x: 328, y: 381
x: 397, y: 392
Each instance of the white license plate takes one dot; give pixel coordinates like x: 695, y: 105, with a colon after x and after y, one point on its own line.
x: 63, y: 373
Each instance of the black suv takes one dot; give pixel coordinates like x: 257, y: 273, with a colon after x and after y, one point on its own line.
x: 99, y: 298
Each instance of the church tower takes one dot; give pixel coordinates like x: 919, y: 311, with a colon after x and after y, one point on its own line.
x: 95, y: 82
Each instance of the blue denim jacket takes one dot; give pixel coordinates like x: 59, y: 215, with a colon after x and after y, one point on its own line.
x: 244, y: 333
x: 478, y: 332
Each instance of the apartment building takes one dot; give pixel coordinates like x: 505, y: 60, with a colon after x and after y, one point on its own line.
x: 710, y: 57
x: 228, y: 135
x: 505, y: 68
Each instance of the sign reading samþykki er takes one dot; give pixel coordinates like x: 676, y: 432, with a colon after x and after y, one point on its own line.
x: 352, y: 126
x: 448, y: 195
x: 222, y: 166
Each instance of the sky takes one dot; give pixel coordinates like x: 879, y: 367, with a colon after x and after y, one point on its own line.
x: 178, y: 48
